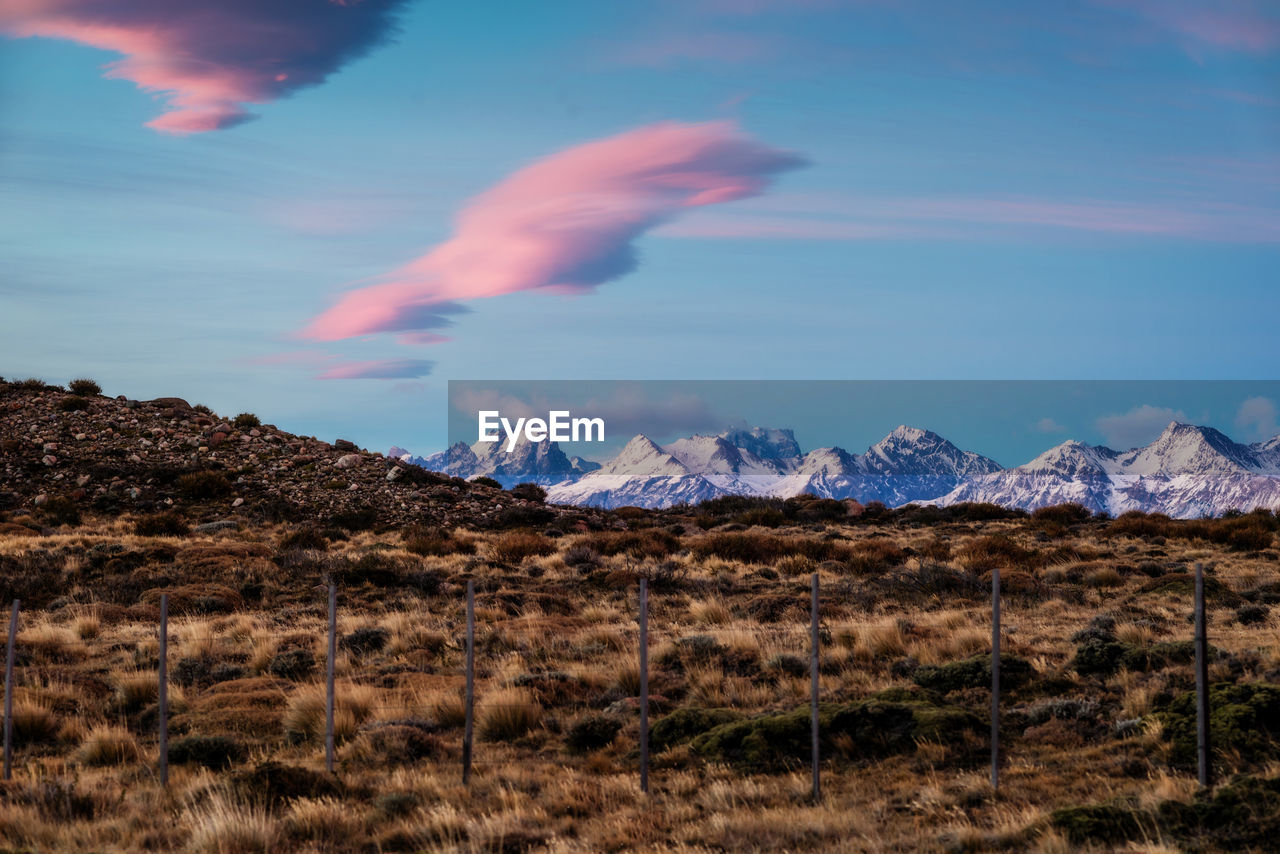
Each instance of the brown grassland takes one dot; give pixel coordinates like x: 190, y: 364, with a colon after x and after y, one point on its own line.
x: 1094, y: 730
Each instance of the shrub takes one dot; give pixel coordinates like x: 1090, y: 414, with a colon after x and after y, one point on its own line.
x: 1249, y: 539
x: 592, y: 732
x: 434, y: 542
x: 973, y: 672
x: 583, y: 557
x: 873, y: 727
x: 529, y: 492
x: 33, y: 723
x: 73, y: 403
x: 684, y: 725
x: 1111, y: 824
x: 216, y: 752
x: 84, y: 387
x: 304, y: 539
x: 1063, y: 514
x: 355, y: 518
x: 108, y: 745
x: 1244, y: 719
x: 60, y: 510
x: 273, y: 783
x: 648, y: 543
x: 993, y: 550
x: 204, y: 485
x: 292, y: 664
x: 508, y: 715
x: 515, y: 546
x: 247, y: 421
x: 486, y: 481
x: 400, y: 741
x: 365, y: 640
x: 1252, y: 615
x: 872, y: 556
x: 161, y: 525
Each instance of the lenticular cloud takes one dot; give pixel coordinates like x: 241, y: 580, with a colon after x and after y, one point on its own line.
x: 564, y: 224
x: 211, y: 59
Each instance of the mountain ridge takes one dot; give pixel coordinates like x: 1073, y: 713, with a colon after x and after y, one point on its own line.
x: 1188, y: 470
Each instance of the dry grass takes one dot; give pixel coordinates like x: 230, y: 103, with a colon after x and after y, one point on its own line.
x: 557, y: 647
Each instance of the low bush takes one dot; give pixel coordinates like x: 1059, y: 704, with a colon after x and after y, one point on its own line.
x: 684, y: 725
x: 973, y: 672
x: 515, y: 546
x: 592, y: 732
x: 247, y: 421
x: 84, y: 387
x: 167, y: 524
x: 529, y: 492
x: 204, y: 485
x: 216, y: 752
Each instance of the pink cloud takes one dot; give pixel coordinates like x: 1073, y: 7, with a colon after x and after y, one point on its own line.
x: 1230, y: 25
x: 831, y: 217
x: 208, y: 60
x: 378, y: 369
x: 565, y: 224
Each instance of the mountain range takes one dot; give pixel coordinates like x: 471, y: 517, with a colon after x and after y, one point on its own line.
x: 1188, y: 471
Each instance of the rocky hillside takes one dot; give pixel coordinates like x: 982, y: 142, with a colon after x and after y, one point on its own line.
x: 63, y: 454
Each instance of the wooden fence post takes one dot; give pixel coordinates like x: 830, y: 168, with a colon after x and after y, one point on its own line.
x: 1203, y: 747
x: 164, y: 689
x: 329, y: 696
x: 8, y: 690
x: 644, y: 685
x: 814, y: 665
x: 995, y: 679
x: 470, y: 697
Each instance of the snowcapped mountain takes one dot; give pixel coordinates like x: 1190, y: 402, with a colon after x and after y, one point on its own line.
x: 1188, y: 471
x: 528, y: 462
x: 909, y: 464
x: 643, y: 474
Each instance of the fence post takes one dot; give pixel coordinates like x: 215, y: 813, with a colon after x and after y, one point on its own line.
x: 813, y: 689
x: 1203, y: 747
x: 644, y: 685
x: 164, y: 689
x: 329, y: 691
x: 8, y: 690
x: 469, y: 702
x: 995, y: 679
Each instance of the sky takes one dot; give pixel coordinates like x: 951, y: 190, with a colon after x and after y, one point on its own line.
x: 1010, y: 421
x: 323, y: 211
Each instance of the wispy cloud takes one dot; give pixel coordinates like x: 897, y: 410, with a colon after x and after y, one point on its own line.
x: 566, y: 224
x: 209, y: 60
x: 1229, y: 25
x: 1257, y: 419
x: 1138, y: 426
x: 378, y: 369
x: 866, y: 218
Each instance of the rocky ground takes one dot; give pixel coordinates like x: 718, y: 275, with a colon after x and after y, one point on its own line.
x: 62, y: 452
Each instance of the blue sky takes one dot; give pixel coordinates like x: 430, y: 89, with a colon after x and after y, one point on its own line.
x: 989, y: 190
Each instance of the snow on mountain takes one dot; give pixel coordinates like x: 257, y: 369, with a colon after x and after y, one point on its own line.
x: 767, y: 443
x: 909, y: 464
x: 1188, y: 471
x: 1187, y: 449
x: 643, y: 474
x: 532, y: 462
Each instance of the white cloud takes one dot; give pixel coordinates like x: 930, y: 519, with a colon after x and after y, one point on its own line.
x: 1138, y: 426
x: 1257, y: 419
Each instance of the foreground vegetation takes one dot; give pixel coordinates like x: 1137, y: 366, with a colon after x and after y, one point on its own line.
x: 1098, y: 728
